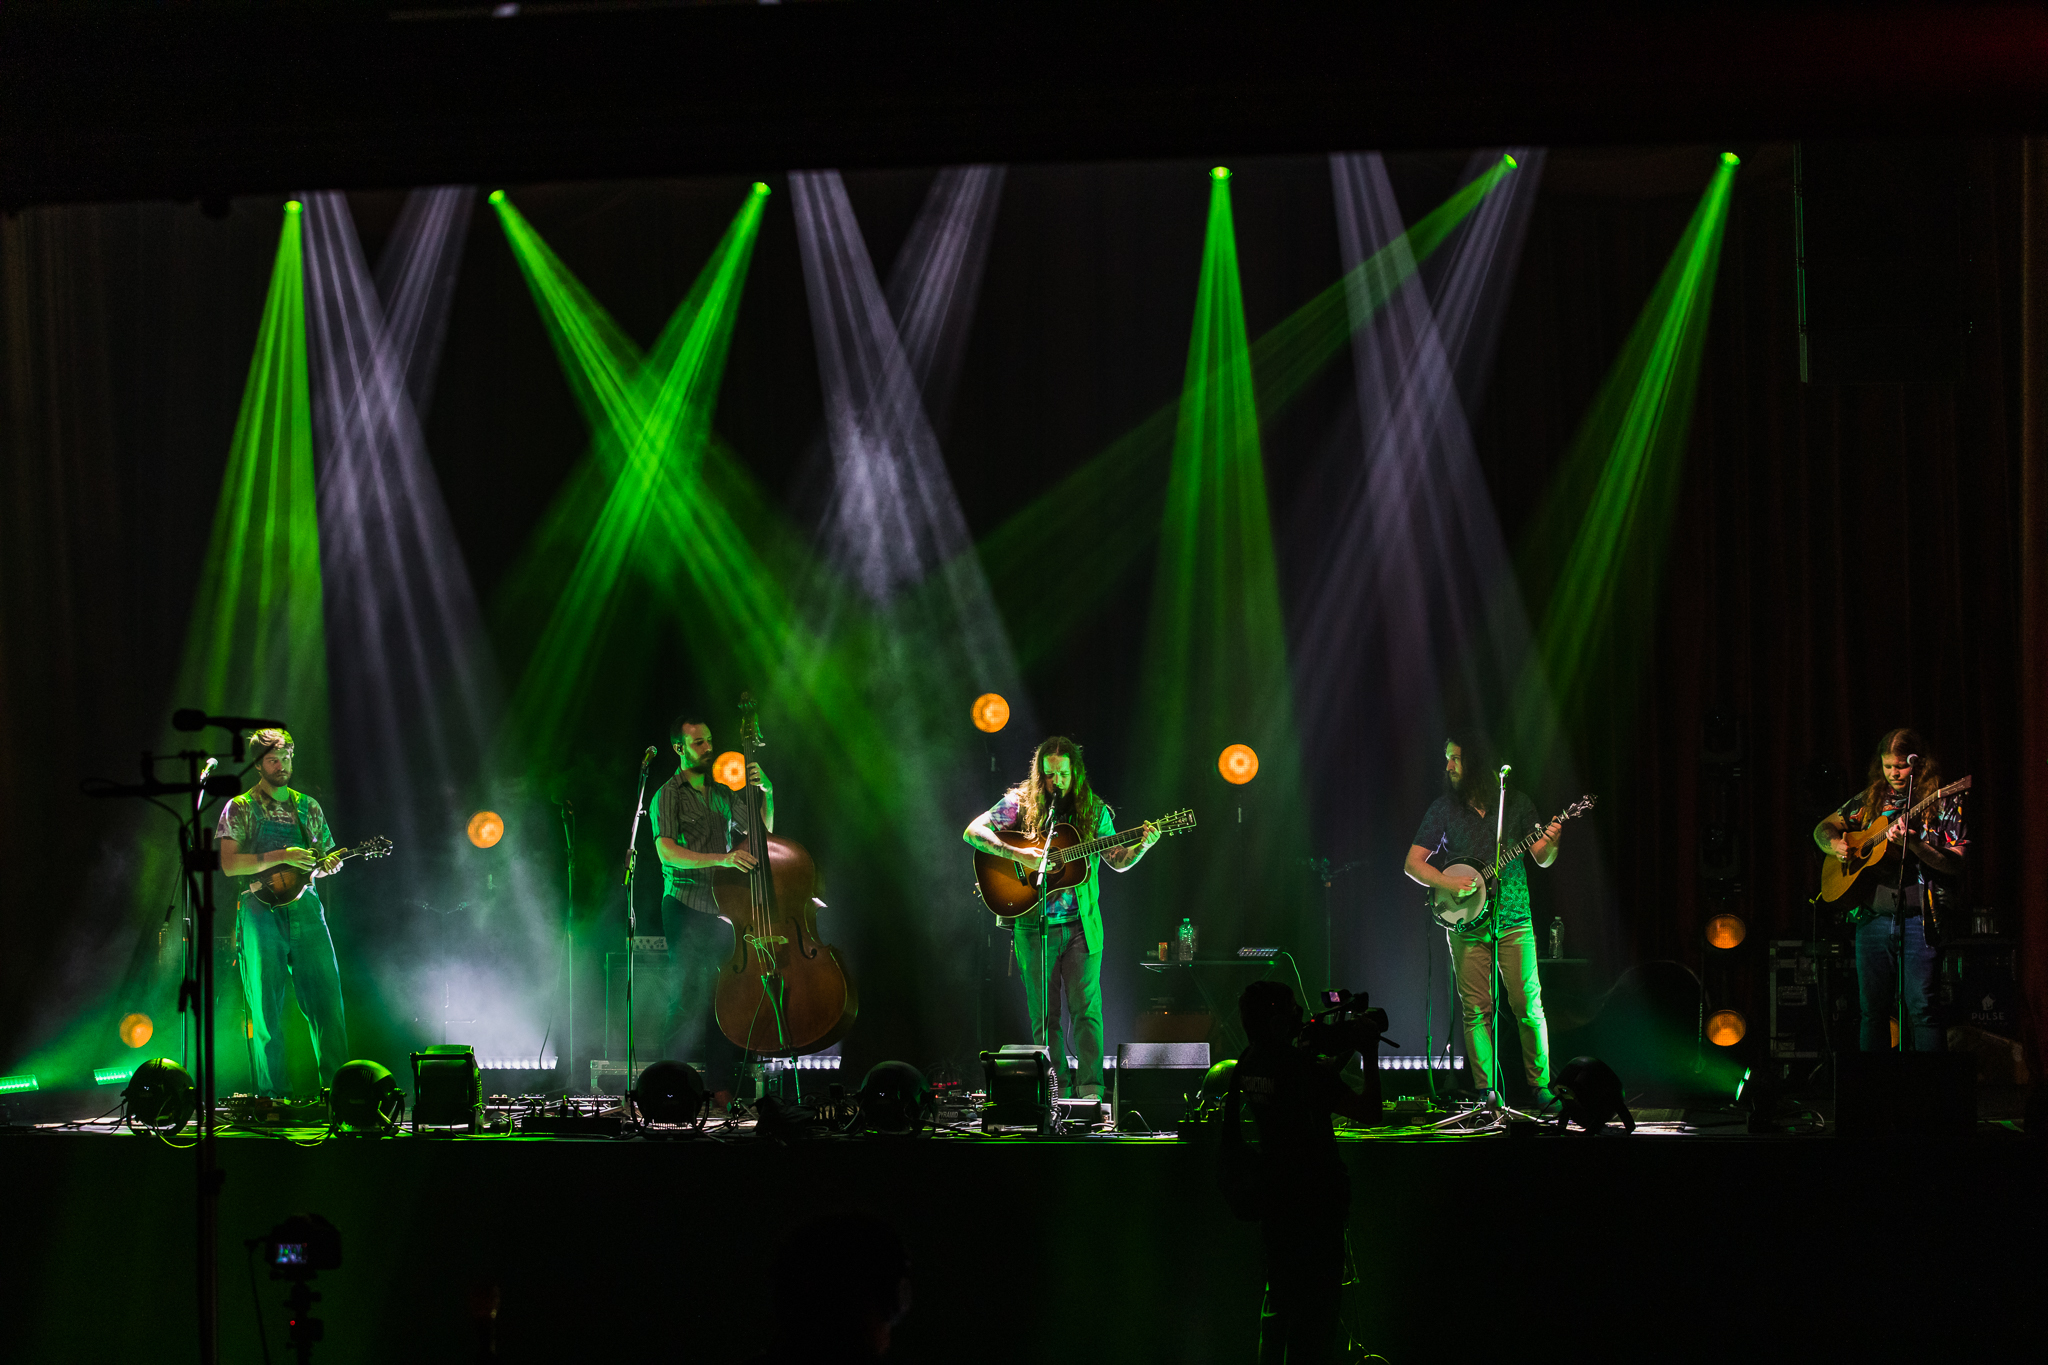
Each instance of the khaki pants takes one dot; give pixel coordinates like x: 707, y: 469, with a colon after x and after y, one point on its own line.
x: 1472, y: 966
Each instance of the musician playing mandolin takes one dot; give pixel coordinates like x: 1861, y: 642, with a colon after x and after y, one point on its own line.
x: 694, y: 832
x: 1060, y: 948
x: 1937, y: 846
x: 268, y: 826
x: 1460, y: 827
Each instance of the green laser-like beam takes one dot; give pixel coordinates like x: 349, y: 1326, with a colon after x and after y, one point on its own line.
x: 1097, y: 505
x: 1594, y: 555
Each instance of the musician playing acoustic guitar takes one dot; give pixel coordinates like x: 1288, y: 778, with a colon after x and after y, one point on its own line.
x: 1461, y: 824
x: 270, y: 825
x: 1937, y: 847
x: 1060, y: 948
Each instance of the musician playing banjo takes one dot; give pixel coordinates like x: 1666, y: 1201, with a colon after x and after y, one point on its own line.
x: 1460, y: 827
x: 270, y: 825
x: 1937, y: 843
x: 1060, y: 948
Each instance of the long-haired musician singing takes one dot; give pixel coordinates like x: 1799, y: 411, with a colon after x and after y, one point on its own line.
x: 1060, y: 949
x: 1937, y: 843
x: 1462, y: 826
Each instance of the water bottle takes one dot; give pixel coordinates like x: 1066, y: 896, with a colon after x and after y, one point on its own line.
x: 1184, y: 944
x: 1557, y: 937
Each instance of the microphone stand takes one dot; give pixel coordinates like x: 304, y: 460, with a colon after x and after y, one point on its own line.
x: 1899, y: 917
x: 1500, y: 815
x: 569, y: 945
x: 633, y: 924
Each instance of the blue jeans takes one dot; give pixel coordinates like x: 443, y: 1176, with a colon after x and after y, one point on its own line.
x: 269, y: 944
x: 1877, y: 984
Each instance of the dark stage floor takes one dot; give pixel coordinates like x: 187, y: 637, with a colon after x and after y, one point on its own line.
x: 1670, y: 1244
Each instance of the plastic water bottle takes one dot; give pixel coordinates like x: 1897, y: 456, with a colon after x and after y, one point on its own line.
x: 1184, y: 944
x: 1557, y: 937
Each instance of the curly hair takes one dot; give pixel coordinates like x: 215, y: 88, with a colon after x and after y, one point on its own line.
x: 1032, y: 796
x: 1902, y: 742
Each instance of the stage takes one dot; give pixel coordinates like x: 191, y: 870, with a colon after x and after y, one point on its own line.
x: 1026, y: 1249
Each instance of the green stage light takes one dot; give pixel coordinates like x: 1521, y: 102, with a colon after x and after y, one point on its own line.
x: 293, y: 206
x: 1095, y: 508
x: 1512, y: 163
x: 16, y: 1085
x: 111, y: 1075
x: 1220, y: 173
x: 496, y: 196
x: 761, y: 187
x: 1730, y: 159
x: 1594, y: 554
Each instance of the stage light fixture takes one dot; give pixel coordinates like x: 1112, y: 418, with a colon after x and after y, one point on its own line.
x: 1018, y: 1079
x: 112, y: 1075
x: 497, y: 196
x: 1219, y: 173
x: 364, y: 1100
x: 447, y: 1088
x: 1726, y: 931
x: 895, y: 1098
x: 136, y: 1029
x: 670, y: 1092
x: 1238, y: 764
x: 1730, y: 159
x: 159, y: 1095
x: 1726, y: 1028
x: 486, y: 828
x: 730, y: 769
x: 294, y: 206
x: 761, y: 187
x: 991, y: 713
x: 16, y: 1085
x: 1590, y: 1095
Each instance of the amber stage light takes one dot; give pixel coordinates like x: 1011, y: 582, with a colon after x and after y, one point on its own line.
x: 1726, y: 931
x: 485, y: 829
x: 1238, y: 764
x: 135, y: 1029
x: 1725, y: 1028
x: 991, y: 713
x: 731, y: 769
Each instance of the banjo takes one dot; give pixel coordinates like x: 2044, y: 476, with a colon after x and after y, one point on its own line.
x: 1454, y: 910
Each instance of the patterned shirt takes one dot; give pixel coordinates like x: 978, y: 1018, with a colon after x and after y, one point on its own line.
x: 1451, y: 828
x: 1941, y: 825
x: 701, y: 822
x: 294, y: 820
x: 1008, y: 815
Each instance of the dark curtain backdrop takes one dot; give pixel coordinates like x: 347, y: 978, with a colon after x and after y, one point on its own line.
x: 1843, y: 559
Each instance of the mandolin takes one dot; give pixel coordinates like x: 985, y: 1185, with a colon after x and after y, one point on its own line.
x: 283, y: 884
x: 1011, y: 887
x: 1866, y: 846
x: 1455, y: 910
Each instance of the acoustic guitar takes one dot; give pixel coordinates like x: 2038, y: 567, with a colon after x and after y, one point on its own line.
x: 1012, y: 888
x: 1867, y: 846
x: 283, y: 884
x: 1462, y: 910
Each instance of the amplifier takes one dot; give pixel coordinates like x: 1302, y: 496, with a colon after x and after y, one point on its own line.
x: 1813, y: 996
x: 1980, y: 986
x: 1152, y: 1082
x: 654, y: 991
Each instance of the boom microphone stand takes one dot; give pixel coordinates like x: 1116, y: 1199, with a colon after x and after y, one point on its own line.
x: 632, y: 918
x: 1899, y: 913
x: 569, y: 945
x: 1500, y: 815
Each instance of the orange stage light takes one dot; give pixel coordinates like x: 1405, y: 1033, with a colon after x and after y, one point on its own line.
x: 731, y: 769
x: 1725, y: 1028
x: 485, y: 829
x: 135, y: 1030
x: 1726, y: 931
x: 991, y: 713
x: 1238, y: 764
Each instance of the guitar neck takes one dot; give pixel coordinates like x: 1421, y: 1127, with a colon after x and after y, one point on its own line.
x: 1122, y: 839
x: 1924, y: 802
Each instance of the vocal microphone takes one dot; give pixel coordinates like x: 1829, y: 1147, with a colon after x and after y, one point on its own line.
x: 1912, y: 758
x: 207, y: 771
x: 648, y: 757
x: 1506, y: 768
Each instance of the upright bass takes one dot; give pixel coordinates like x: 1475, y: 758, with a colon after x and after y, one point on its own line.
x: 783, y: 991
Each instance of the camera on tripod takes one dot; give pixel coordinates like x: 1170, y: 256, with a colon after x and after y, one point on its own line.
x: 1343, y: 1024
x: 301, y: 1247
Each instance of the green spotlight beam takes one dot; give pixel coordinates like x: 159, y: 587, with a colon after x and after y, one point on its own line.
x: 1099, y: 503
x: 1215, y: 670
x: 1594, y: 554
x: 255, y: 641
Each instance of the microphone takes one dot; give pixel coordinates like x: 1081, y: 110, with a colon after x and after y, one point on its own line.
x: 1912, y: 758
x: 1506, y: 768
x: 207, y: 771
x: 648, y: 757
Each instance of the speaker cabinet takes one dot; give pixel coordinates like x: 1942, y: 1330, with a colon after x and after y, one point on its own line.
x: 1153, y: 1082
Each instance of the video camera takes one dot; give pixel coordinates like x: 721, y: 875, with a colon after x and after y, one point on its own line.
x: 302, y: 1246
x: 1343, y: 1024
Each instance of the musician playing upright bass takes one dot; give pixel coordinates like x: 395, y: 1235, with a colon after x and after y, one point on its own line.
x: 1462, y: 823
x: 270, y: 825
x: 1937, y: 847
x: 1060, y: 948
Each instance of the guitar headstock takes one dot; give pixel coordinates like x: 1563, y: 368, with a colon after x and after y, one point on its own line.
x: 1174, y: 823
x: 750, y: 723
x: 1579, y: 807
x: 376, y: 846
